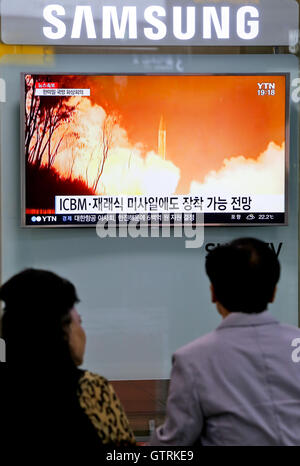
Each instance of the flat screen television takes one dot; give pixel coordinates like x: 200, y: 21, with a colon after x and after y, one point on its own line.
x: 154, y: 147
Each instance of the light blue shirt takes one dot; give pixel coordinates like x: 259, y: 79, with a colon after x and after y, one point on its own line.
x: 237, y: 385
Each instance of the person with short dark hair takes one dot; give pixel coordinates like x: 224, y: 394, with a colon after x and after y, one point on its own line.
x: 243, y: 275
x: 239, y: 384
x: 48, y: 401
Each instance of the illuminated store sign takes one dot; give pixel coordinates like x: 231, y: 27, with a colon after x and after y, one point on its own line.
x: 124, y: 24
x: 144, y: 22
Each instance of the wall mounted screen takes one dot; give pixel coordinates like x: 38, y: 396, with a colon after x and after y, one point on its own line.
x: 154, y: 148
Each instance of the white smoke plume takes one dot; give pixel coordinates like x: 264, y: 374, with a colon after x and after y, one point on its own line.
x: 127, y: 169
x: 246, y: 176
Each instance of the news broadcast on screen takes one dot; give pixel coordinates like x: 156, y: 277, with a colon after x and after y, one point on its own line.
x: 154, y: 148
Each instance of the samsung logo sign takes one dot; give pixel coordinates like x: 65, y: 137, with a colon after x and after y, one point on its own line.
x: 150, y: 22
x: 123, y: 24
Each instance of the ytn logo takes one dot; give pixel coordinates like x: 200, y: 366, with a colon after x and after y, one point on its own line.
x: 49, y: 218
x: 266, y: 86
x: 35, y: 219
x: 44, y: 218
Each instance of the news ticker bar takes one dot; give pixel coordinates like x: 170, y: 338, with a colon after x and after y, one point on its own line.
x: 205, y: 203
x: 158, y: 219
